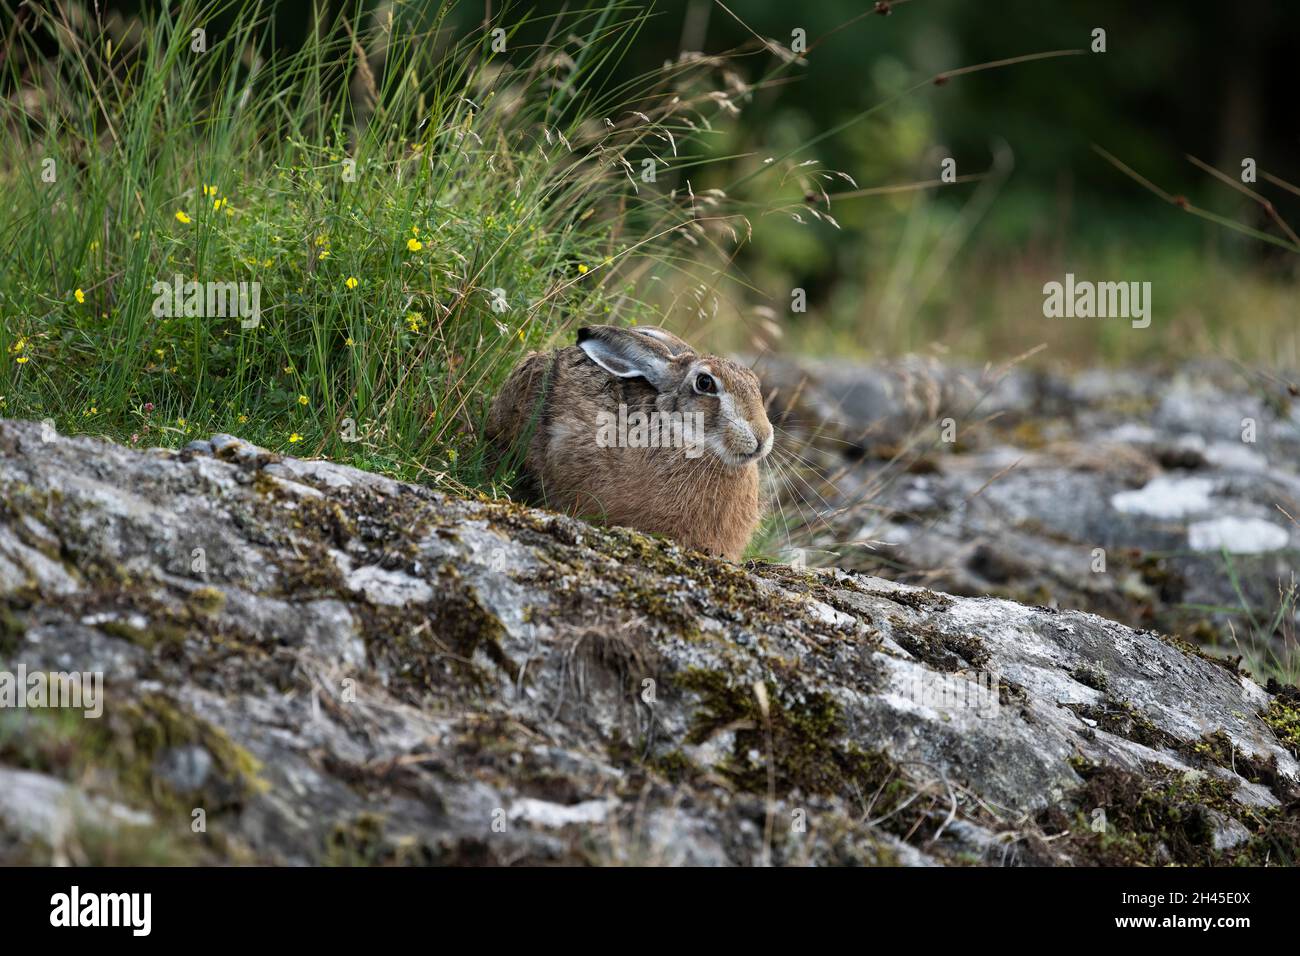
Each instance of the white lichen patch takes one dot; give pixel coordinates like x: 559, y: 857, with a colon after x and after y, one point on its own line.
x: 1236, y: 535
x: 1166, y: 497
x: 544, y: 813
x: 391, y: 588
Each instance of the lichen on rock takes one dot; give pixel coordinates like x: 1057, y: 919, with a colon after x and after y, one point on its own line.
x: 335, y: 667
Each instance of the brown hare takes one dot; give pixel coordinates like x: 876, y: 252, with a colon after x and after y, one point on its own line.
x: 632, y: 427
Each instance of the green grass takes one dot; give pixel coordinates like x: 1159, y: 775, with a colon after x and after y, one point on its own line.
x: 380, y: 182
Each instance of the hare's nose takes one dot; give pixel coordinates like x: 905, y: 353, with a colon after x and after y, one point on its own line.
x: 760, y: 446
x: 753, y: 446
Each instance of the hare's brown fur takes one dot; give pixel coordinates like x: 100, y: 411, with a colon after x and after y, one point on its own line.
x: 549, y: 408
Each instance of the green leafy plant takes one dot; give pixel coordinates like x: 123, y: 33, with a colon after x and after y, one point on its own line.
x: 417, y: 210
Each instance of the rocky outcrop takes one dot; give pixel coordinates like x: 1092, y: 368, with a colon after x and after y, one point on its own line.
x: 1160, y: 499
x: 307, y: 663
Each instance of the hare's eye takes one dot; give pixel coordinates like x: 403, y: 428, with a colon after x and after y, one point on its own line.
x: 705, y: 385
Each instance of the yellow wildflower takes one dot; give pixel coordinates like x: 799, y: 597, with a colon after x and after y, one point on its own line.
x: 79, y: 296
x: 415, y: 245
x: 351, y: 283
x: 181, y: 217
x: 302, y: 399
x: 295, y: 438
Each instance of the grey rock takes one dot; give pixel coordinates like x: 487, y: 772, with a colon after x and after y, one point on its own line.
x: 361, y: 670
x: 1188, y: 481
x: 221, y: 442
x: 41, y: 807
x: 184, y: 769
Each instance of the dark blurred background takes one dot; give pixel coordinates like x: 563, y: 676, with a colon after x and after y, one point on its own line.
x: 963, y: 265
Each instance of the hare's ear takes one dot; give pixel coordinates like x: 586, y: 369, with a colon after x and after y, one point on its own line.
x: 629, y: 354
